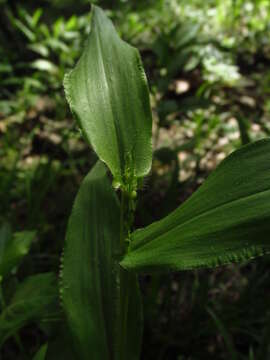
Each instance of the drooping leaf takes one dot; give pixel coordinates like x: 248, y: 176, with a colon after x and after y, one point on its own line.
x: 90, y: 274
x: 35, y: 299
x: 226, y: 220
x: 13, y: 247
x: 108, y: 95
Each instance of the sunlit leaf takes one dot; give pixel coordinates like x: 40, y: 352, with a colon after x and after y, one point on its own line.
x: 36, y: 16
x: 39, y: 49
x: 226, y: 220
x: 107, y: 93
x: 44, y: 65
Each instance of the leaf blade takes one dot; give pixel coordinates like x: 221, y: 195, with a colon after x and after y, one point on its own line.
x: 36, y: 297
x: 90, y: 273
x: 41, y: 353
x: 13, y: 248
x: 225, y: 220
x: 108, y: 95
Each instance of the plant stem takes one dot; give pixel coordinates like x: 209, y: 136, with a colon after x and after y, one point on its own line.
x: 122, y: 221
x: 124, y: 302
x: 126, y: 218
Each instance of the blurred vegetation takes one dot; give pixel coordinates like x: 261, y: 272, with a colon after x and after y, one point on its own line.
x: 207, y: 64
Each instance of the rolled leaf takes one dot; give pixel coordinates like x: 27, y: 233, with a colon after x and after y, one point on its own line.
x: 90, y: 279
x: 108, y: 95
x: 226, y: 220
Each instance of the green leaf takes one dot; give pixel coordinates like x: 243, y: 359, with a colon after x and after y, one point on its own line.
x: 35, y: 299
x: 44, y: 65
x: 39, y: 49
x: 128, y: 342
x: 62, y: 346
x: 108, y: 95
x: 225, y: 334
x: 36, y: 16
x: 90, y: 274
x: 41, y: 354
x: 30, y: 35
x: 13, y: 248
x: 5, y: 238
x: 226, y: 220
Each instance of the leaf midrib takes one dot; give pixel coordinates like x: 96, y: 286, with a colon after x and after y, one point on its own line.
x: 116, y: 127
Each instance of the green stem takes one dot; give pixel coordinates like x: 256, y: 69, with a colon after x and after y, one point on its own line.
x: 124, y: 303
x: 122, y: 222
x: 125, y: 225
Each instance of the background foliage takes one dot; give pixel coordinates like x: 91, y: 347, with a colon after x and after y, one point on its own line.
x: 207, y: 64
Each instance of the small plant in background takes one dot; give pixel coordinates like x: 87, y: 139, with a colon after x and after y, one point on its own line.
x: 44, y: 51
x: 32, y: 300
x: 226, y: 220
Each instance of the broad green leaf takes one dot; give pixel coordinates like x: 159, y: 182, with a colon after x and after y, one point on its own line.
x: 13, y: 248
x: 90, y: 275
x: 108, y: 95
x: 226, y: 220
x: 35, y: 299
